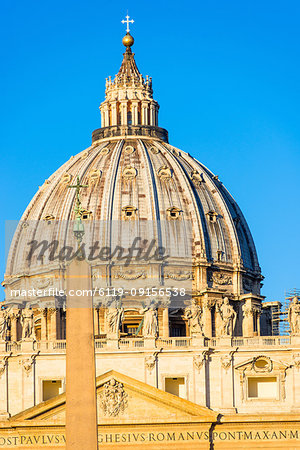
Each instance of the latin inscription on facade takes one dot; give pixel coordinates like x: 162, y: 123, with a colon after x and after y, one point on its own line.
x: 155, y: 437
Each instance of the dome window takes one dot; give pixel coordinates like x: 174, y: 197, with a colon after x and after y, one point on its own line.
x: 212, y: 216
x: 129, y: 173
x: 173, y: 213
x: 104, y: 151
x: 66, y: 178
x: 165, y: 173
x: 154, y: 150
x: 84, y: 155
x: 197, y: 177
x: 48, y: 218
x: 94, y: 176
x: 129, y: 212
x: 86, y: 215
x: 129, y: 149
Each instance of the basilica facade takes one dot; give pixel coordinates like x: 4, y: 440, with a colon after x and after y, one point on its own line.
x: 182, y: 333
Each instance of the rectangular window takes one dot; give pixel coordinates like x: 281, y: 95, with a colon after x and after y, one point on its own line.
x: 52, y: 388
x: 262, y: 387
x: 176, y: 386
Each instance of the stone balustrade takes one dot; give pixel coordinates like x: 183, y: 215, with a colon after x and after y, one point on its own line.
x: 104, y: 344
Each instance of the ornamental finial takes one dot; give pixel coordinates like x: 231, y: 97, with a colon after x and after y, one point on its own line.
x: 127, y: 21
x: 128, y: 40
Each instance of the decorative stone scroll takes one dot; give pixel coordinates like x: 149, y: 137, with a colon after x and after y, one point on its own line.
x: 226, y: 361
x: 296, y: 360
x: 221, y: 278
x: 199, y: 360
x: 180, y: 275
x: 131, y: 275
x: 114, y: 399
x: 150, y: 361
x: 43, y: 283
x: 2, y: 366
x: 27, y: 365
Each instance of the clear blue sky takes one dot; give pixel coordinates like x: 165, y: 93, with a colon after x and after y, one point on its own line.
x: 226, y: 74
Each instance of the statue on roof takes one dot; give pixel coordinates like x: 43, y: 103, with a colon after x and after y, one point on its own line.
x: 294, y: 316
x: 228, y: 317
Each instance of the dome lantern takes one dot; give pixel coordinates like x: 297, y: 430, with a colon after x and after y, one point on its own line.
x: 129, y: 107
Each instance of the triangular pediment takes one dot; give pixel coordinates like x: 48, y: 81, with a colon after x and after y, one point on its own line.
x: 261, y: 364
x: 124, y: 398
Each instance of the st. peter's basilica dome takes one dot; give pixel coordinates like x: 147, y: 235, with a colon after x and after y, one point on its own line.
x: 135, y: 177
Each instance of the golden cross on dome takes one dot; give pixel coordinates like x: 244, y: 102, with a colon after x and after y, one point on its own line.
x: 127, y: 21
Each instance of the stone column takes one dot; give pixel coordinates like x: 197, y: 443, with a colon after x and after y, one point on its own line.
x: 106, y: 115
x: 134, y: 113
x: 145, y: 113
x: 251, y: 313
x: 237, y: 275
x: 123, y: 107
x: 102, y: 329
x: 114, y: 119
x: 96, y: 321
x: 152, y: 114
x: 156, y: 115
x: 102, y: 117
x: 226, y: 384
x: 43, y: 324
x: 81, y: 406
x: 165, y: 323
x: 52, y: 321
x: 200, y: 383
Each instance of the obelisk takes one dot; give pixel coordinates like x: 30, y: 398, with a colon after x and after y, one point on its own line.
x: 81, y: 406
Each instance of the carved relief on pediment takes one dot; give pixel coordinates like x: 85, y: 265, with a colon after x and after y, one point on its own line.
x: 114, y: 399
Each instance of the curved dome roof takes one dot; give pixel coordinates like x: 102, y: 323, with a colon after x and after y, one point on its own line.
x: 131, y: 167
